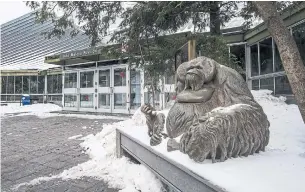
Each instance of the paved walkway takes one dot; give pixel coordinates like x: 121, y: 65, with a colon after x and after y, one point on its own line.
x: 32, y: 147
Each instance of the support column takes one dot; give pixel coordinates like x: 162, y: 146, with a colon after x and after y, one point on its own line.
x: 45, y: 95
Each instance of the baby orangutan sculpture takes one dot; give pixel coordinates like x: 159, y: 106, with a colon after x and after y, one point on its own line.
x: 215, y: 114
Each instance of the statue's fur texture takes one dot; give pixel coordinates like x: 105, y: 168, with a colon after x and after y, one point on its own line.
x: 227, y: 123
x: 238, y: 130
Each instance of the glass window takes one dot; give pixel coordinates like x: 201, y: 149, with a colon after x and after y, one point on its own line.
x: 3, y: 84
x: 267, y: 83
x: 277, y: 59
x: 26, y: 83
x: 86, y: 79
x: 266, y: 57
x: 70, y: 101
x: 254, y: 60
x: 104, y: 101
x: 120, y: 77
x: 59, y: 84
x: 104, y: 78
x: 18, y: 84
x: 10, y: 98
x: 33, y: 84
x: 135, y: 89
x: 3, y: 97
x: 55, y: 83
x: 298, y: 33
x: 282, y: 85
x: 86, y: 100
x: 50, y: 85
x: 170, y: 79
x: 237, y: 53
x: 148, y: 98
x: 10, y: 85
x: 255, y: 84
x: 120, y: 100
x: 41, y: 84
x: 70, y: 80
x: 55, y: 99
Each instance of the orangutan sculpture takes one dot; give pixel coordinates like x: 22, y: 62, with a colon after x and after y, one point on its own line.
x: 215, y: 114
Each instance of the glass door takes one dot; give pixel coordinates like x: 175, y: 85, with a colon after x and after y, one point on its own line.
x: 120, y: 91
x: 86, y: 91
x: 70, y: 91
x: 104, y: 90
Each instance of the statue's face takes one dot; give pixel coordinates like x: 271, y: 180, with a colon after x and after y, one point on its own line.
x: 194, y: 79
x: 193, y: 74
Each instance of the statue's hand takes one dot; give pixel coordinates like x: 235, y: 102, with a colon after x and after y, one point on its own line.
x: 156, y: 139
x: 147, y: 109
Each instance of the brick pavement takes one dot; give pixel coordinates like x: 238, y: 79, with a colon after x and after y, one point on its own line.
x: 33, y: 147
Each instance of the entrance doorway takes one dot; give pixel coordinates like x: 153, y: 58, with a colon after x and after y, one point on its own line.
x: 113, y: 93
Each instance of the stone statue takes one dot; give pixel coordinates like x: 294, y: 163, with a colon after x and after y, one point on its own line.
x: 215, y: 114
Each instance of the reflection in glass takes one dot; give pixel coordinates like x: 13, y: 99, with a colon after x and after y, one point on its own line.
x: 55, y: 84
x: 267, y: 83
x: 70, y: 80
x: 10, y: 85
x: 255, y: 84
x: 135, y: 89
x: 3, y: 84
x: 119, y: 100
x: 86, y: 100
x: 3, y: 97
x: 254, y: 60
x: 50, y: 84
x: 104, y: 78
x: 86, y: 79
x: 148, y: 99
x: 104, y: 101
x: 282, y: 85
x: 59, y: 78
x: 298, y: 33
x: 277, y: 60
x: 33, y: 84
x: 70, y: 101
x: 41, y: 84
x: 120, y: 77
x: 170, y: 79
x: 26, y: 88
x: 266, y: 58
x: 18, y: 84
x: 10, y: 98
x: 237, y: 53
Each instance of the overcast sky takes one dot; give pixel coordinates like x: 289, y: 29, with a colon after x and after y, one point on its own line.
x: 10, y: 10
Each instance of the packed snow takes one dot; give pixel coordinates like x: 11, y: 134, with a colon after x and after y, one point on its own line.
x: 280, y: 169
x: 36, y: 109
x: 75, y: 137
x: 44, y: 111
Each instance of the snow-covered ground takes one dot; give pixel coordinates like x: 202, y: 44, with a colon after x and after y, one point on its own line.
x: 43, y: 111
x: 280, y: 169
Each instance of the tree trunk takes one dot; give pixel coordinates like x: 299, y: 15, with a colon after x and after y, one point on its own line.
x: 214, y: 18
x: 289, y: 53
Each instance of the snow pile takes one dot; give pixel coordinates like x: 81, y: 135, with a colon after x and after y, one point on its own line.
x: 35, y: 109
x: 119, y: 173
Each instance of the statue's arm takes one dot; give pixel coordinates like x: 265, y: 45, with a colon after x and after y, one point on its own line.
x: 199, y: 96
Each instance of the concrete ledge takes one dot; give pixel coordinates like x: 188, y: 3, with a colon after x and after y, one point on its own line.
x: 178, y: 177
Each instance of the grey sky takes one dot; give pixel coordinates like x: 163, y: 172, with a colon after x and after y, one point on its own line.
x: 10, y: 10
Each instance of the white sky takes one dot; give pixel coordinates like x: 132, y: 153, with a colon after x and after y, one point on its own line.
x: 10, y: 10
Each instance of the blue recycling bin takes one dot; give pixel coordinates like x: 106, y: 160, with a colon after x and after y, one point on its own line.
x: 26, y: 100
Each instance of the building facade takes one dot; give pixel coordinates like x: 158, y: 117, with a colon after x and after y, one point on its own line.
x: 82, y: 79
